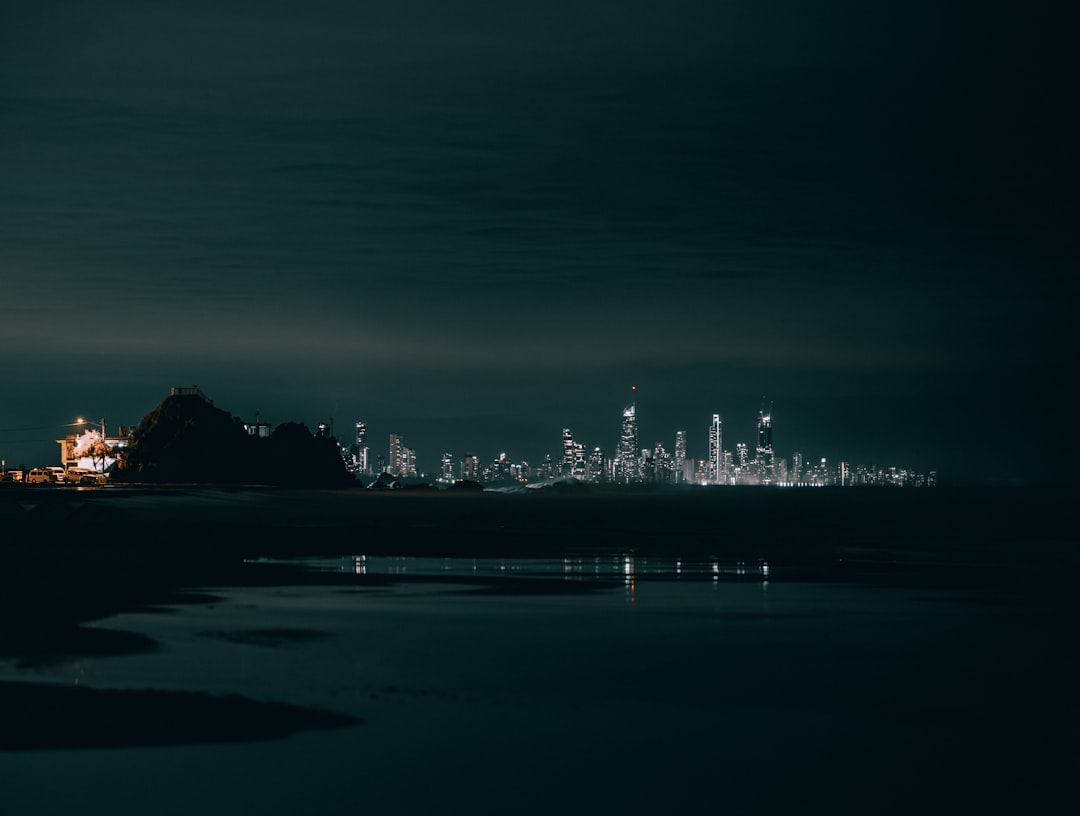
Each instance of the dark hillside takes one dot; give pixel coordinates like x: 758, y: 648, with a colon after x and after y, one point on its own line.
x: 186, y: 440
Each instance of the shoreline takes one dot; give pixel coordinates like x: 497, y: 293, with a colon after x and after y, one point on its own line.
x: 762, y: 521
x: 226, y: 627
x: 81, y: 554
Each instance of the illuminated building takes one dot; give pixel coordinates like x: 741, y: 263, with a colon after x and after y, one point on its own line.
x: 626, y: 457
x: 361, y: 451
x: 446, y: 470
x: 764, y: 461
x: 597, y: 467
x: 716, y: 446
x: 680, y: 456
x: 402, y: 459
x: 566, y: 464
x: 742, y: 455
x: 91, y: 450
x: 820, y: 476
x: 499, y: 470
x: 742, y: 464
x: 646, y: 466
x: 470, y: 467
x: 663, y: 465
x: 258, y: 427
x: 579, y: 469
x: 394, y: 457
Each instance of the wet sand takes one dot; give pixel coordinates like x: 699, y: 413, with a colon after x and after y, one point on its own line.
x: 278, y: 650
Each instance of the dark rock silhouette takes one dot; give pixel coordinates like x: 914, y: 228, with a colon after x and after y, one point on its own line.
x: 295, y: 457
x: 187, y: 440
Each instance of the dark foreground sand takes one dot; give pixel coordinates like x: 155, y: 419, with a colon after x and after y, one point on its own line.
x: 751, y: 651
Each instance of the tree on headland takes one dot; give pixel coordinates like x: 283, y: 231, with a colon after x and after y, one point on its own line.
x: 93, y: 446
x: 187, y: 440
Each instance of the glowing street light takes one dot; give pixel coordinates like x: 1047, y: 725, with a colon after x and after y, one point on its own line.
x: 101, y: 422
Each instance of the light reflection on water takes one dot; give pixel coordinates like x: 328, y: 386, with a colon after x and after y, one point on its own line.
x: 623, y: 567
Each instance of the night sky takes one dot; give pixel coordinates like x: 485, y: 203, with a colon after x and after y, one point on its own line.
x: 476, y: 223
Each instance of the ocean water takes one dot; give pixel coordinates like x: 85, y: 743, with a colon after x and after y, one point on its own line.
x: 583, y: 682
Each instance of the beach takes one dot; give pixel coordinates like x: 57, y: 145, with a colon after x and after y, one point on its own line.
x: 193, y: 648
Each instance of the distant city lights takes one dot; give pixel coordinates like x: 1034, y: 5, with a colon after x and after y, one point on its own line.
x: 633, y: 464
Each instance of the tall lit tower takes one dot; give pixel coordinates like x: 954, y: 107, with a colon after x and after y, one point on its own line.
x: 597, y: 467
x: 579, y: 468
x: 680, y: 456
x: 627, y: 470
x: 397, y: 461
x: 764, y: 446
x: 716, y: 447
x: 362, y: 464
x: 566, y: 465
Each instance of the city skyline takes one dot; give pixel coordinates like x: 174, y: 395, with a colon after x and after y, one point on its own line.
x: 470, y: 221
x: 708, y: 461
x: 628, y: 463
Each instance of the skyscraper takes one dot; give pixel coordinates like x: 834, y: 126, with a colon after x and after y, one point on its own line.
x: 362, y: 453
x: 716, y: 447
x: 470, y: 467
x: 402, y: 459
x: 626, y: 458
x: 647, y: 465
x: 680, y: 456
x: 597, y: 467
x: 394, y: 456
x: 566, y: 465
x: 764, y: 447
x: 579, y: 468
x: 663, y: 465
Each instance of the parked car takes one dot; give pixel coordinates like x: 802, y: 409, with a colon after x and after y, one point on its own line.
x: 12, y: 476
x: 80, y: 475
x: 58, y: 474
x: 40, y: 476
